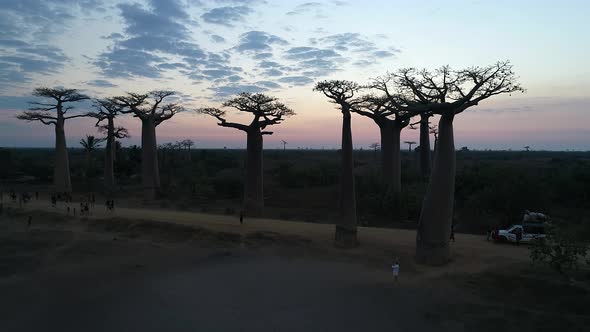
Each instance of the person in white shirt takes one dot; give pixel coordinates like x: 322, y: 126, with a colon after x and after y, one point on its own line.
x: 395, y: 269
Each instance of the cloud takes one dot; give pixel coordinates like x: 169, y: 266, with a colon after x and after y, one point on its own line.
x: 101, y: 84
x: 305, y: 8
x: 19, y: 18
x: 306, y: 52
x: 140, y: 21
x: 114, y: 35
x: 158, y: 39
x: 258, y: 42
x: 125, y: 62
x: 296, y: 80
x: 217, y: 39
x: 348, y: 41
x: 272, y: 72
x: 226, y: 16
x: 383, y: 54
x: 20, y: 60
x: 265, y: 55
x: 268, y: 84
x: 25, y: 27
x: 314, y: 61
x: 225, y: 91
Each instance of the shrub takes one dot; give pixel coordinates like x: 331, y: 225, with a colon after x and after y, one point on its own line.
x: 560, y: 250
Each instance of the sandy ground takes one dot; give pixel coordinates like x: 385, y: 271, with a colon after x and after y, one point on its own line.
x: 159, y: 270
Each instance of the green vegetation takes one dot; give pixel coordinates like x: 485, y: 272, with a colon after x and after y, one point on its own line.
x: 493, y: 187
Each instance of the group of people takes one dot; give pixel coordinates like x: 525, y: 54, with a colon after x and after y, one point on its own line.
x: 23, y: 197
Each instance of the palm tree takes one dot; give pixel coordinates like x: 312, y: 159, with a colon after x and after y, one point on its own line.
x: 90, y: 144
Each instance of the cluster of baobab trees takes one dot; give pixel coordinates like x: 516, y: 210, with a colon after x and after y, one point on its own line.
x: 392, y: 101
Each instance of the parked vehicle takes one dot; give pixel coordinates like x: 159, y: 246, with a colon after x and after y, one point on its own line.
x: 529, y: 233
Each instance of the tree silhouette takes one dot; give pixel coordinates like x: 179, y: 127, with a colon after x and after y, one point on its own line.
x: 342, y: 93
x: 434, y: 131
x: 447, y: 93
x: 284, y: 145
x: 43, y: 112
x: 410, y: 143
x: 107, y: 110
x: 152, y: 111
x: 90, y: 144
x: 527, y: 148
x: 391, y: 114
x: 188, y: 143
x: 266, y: 111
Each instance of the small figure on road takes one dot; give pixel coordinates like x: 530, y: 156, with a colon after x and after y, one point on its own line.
x: 452, y: 233
x: 395, y: 270
x: 489, y: 234
x: 29, y: 221
x: 241, y: 217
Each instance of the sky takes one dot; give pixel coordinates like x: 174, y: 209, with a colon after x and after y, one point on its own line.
x: 210, y: 50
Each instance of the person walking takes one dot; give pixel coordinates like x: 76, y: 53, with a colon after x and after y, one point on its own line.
x: 395, y: 270
x: 518, y: 235
x: 241, y: 217
x: 453, y: 233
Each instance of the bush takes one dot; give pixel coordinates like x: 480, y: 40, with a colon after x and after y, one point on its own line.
x: 559, y: 250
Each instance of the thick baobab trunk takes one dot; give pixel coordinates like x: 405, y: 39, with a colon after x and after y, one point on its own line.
x: 434, y: 227
x: 424, y: 146
x: 109, y: 159
x: 346, y: 232
x: 149, y: 159
x: 61, y: 174
x: 253, y: 184
x: 390, y: 155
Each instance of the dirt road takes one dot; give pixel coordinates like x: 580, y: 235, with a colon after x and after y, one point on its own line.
x: 70, y: 274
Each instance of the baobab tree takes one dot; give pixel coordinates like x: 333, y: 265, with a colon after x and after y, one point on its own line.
x: 527, y: 148
x: 188, y: 143
x: 90, y: 144
x: 266, y: 111
x: 152, y: 111
x: 284, y: 145
x: 434, y: 132
x: 342, y: 93
x: 43, y: 112
x: 391, y: 112
x: 410, y: 143
x: 447, y: 93
x: 107, y: 110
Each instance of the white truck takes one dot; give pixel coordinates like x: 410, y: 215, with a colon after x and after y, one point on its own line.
x: 529, y: 233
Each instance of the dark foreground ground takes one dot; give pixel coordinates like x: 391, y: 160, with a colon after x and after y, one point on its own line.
x: 68, y: 274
